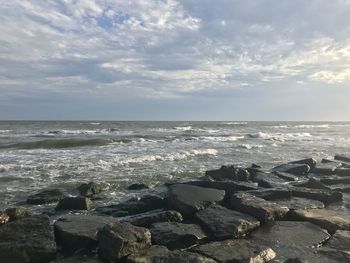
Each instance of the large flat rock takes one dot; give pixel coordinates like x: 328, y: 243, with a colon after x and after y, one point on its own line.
x: 175, y: 235
x: 188, y: 199
x: 151, y: 217
x: 225, y: 223
x: 257, y: 207
x: 340, y: 240
x: 74, y: 203
x: 327, y: 219
x: 46, y: 196
x: 293, y: 168
x: 325, y: 196
x: 75, y: 232
x: 296, y: 203
x: 28, y: 240
x: 268, y: 180
x: 290, y: 239
x: 236, y: 251
x: 326, y: 167
x: 229, y: 173
x: 271, y: 194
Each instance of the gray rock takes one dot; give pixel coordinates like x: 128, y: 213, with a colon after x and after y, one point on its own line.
x: 160, y: 254
x: 311, y: 162
x: 236, y: 251
x: 311, y: 183
x: 175, y: 235
x: 327, y: 219
x: 300, y: 203
x: 119, y: 240
x: 149, y: 218
x: 76, y: 232
x: 28, y: 240
x: 90, y: 189
x: 16, y: 213
x: 225, y: 223
x: 342, y: 171
x: 137, y: 187
x: 325, y: 196
x: 46, y: 196
x: 271, y: 194
x: 326, y: 167
x: 293, y: 168
x: 229, y: 173
x: 133, y: 206
x: 188, y: 199
x: 291, y: 239
x: 330, y: 180
x: 287, y: 176
x: 340, y: 240
x: 334, y: 255
x: 257, y: 207
x: 268, y: 180
x: 340, y: 188
x: 74, y: 203
x: 342, y: 158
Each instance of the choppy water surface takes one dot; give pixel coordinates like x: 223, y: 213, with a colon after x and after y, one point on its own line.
x: 35, y: 155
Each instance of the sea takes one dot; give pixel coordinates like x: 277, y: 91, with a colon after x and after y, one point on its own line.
x: 35, y: 155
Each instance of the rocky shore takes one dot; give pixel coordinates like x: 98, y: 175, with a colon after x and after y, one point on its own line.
x: 291, y: 213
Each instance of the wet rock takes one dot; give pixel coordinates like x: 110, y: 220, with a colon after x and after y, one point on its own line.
x: 254, y: 165
x: 160, y: 254
x: 313, y: 184
x: 74, y: 203
x: 300, y: 203
x: 327, y: 219
x: 257, y: 207
x: 311, y: 162
x: 119, y: 240
x: 175, y: 235
x: 326, y: 167
x: 228, y: 173
x: 46, y: 196
x: 333, y: 255
x: 340, y: 188
x: 268, y: 180
x: 78, y: 259
x: 271, y: 194
x: 293, y: 168
x: 296, y: 260
x: 335, y: 180
x: 90, y: 189
x: 236, y: 251
x: 149, y: 218
x: 291, y: 239
x: 342, y: 171
x: 16, y: 213
x: 340, y: 240
x: 342, y: 158
x: 325, y: 196
x: 225, y: 223
x: 133, y: 206
x: 188, y: 199
x: 4, y: 218
x: 28, y: 240
x: 76, y: 232
x: 137, y: 187
x: 287, y: 176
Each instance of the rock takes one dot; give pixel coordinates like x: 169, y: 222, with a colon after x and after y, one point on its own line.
x: 256, y: 166
x: 340, y: 240
x: 331, y: 180
x: 133, y: 206
x: 228, y: 173
x: 225, y: 223
x: 90, y: 189
x: 4, y: 218
x: 340, y: 188
x: 149, y: 218
x: 293, y: 168
x: 325, y: 196
x: 271, y: 194
x: 296, y: 260
x: 175, y: 235
x: 326, y: 167
x: 291, y: 239
x: 160, y: 254
x: 74, y: 203
x: 78, y: 259
x: 287, y: 176
x: 257, y: 207
x: 119, y: 240
x: 16, y: 213
x: 342, y: 171
x: 28, y: 240
x: 333, y: 255
x: 313, y: 184
x: 311, y: 162
x: 296, y: 203
x: 76, y: 232
x: 137, y: 187
x: 268, y: 180
x: 236, y: 251
x: 342, y: 158
x: 188, y: 199
x: 46, y: 196
x: 327, y: 219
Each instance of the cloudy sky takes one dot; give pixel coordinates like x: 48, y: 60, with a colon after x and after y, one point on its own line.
x: 175, y: 59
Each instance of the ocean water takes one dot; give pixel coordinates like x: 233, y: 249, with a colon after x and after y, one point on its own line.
x: 38, y: 154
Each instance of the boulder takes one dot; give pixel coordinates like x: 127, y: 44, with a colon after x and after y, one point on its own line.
x: 16, y: 213
x: 76, y: 232
x: 223, y: 223
x: 291, y: 239
x: 326, y: 167
x: 327, y: 219
x: 268, y: 180
x: 188, y: 199
x: 90, y: 189
x: 342, y: 171
x: 311, y: 162
x: 137, y: 187
x: 296, y: 203
x: 293, y: 168
x: 74, y: 203
x: 330, y: 180
x: 330, y: 255
x: 149, y: 218
x: 271, y: 194
x: 119, y: 240
x: 133, y: 206
x: 311, y: 183
x: 28, y: 240
x: 46, y: 196
x: 257, y: 207
x: 229, y: 173
x: 325, y: 196
x: 160, y: 254
x: 4, y: 218
x: 342, y: 158
x: 340, y: 240
x: 175, y: 235
x: 236, y: 251
x: 287, y: 176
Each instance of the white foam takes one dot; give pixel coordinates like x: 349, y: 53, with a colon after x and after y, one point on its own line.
x: 251, y: 146
x: 183, y: 128
x: 280, y: 136
x: 6, y: 131
x: 308, y: 126
x: 236, y: 123
x: 221, y: 138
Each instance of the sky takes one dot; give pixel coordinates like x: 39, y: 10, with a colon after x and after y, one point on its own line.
x: 175, y: 60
